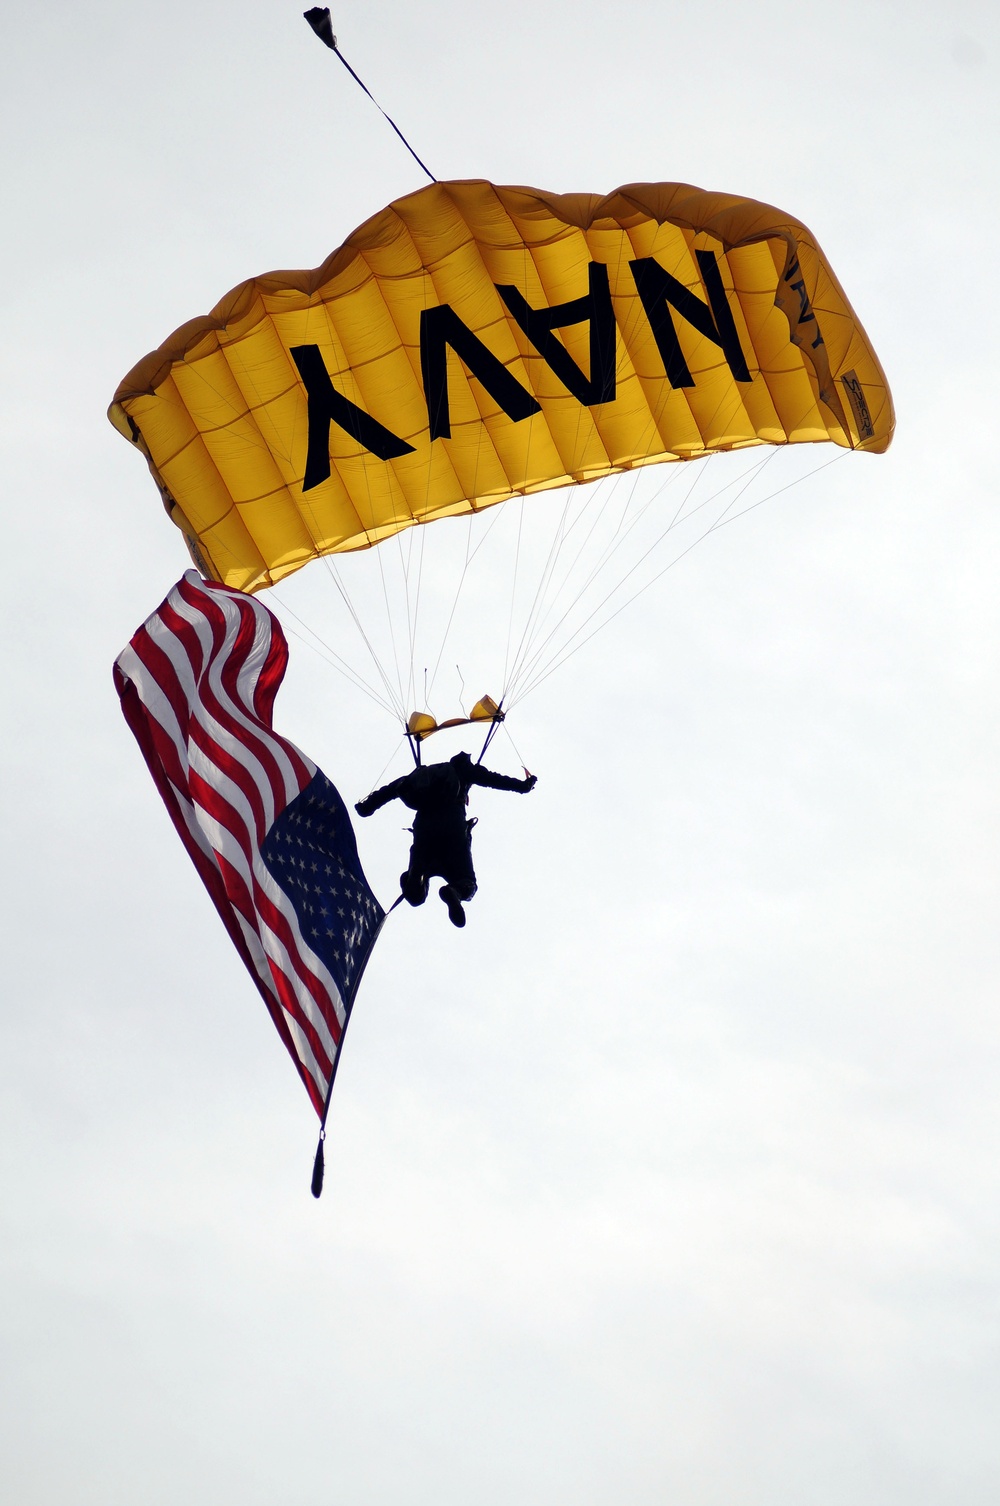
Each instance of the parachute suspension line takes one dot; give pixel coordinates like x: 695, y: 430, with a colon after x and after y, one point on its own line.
x: 418, y: 539
x: 604, y: 494
x: 330, y: 656
x: 416, y: 615
x: 470, y: 554
x: 539, y: 607
x: 539, y: 617
x: 319, y: 20
x: 513, y: 590
x: 529, y: 631
x: 517, y: 755
x: 724, y: 522
x: 405, y: 554
x: 568, y: 648
x: 397, y: 697
x: 352, y: 673
x: 532, y: 666
x: 529, y: 663
x: 470, y: 551
x: 352, y: 611
x: 601, y: 498
x: 544, y: 578
x: 622, y: 531
x: 526, y: 260
x: 380, y: 558
x: 720, y: 522
x: 608, y: 489
x: 382, y: 772
x: 405, y: 565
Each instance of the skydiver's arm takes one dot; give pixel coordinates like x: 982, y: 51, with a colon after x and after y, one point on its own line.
x: 493, y: 781
x: 375, y: 801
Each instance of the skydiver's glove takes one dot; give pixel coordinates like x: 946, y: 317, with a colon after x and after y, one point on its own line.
x: 367, y: 806
x: 529, y: 783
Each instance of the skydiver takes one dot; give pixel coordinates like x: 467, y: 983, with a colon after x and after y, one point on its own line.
x: 442, y: 832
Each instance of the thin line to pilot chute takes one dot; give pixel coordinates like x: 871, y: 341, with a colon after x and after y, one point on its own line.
x: 319, y: 20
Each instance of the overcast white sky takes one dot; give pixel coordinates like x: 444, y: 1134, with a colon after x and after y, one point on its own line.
x: 674, y: 1177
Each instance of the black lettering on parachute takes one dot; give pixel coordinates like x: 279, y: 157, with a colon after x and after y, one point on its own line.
x: 326, y: 406
x: 595, y: 306
x: 441, y: 327
x: 659, y: 291
x: 806, y: 315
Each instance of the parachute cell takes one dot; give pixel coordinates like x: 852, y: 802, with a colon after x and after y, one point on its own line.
x: 471, y: 343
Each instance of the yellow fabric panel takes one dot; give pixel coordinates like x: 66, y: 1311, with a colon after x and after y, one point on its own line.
x: 773, y: 355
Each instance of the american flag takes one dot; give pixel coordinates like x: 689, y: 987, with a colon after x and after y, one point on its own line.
x: 266, y: 830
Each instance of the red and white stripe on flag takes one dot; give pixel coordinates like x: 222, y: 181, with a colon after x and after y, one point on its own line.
x: 197, y: 684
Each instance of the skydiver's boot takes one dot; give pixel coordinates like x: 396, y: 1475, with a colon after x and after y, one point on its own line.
x: 455, y: 912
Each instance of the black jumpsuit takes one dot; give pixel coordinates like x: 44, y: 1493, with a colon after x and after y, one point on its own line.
x: 438, y: 793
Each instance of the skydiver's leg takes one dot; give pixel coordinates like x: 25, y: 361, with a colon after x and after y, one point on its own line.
x: 461, y: 885
x: 453, y: 900
x: 414, y: 883
x: 414, y: 887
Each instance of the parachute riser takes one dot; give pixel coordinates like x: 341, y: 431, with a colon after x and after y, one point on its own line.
x: 491, y: 732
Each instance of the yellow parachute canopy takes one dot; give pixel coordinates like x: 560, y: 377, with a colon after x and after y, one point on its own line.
x: 471, y: 343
